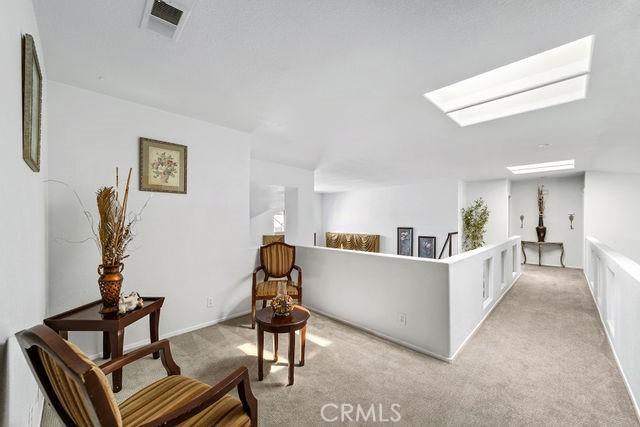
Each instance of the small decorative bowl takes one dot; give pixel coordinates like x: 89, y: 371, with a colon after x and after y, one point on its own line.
x: 282, y: 305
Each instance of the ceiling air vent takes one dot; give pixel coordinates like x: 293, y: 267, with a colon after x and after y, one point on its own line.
x: 166, y: 12
x: 166, y: 17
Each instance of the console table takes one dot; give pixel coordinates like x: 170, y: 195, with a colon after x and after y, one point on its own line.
x: 89, y: 318
x: 540, y: 246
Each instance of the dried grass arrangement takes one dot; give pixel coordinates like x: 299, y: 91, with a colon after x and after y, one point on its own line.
x: 112, y: 237
x: 114, y: 229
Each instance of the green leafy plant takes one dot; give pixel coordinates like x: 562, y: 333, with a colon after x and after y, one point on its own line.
x: 474, y: 221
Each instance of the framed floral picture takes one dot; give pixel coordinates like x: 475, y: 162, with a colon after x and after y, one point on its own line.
x: 163, y: 166
x: 31, y: 103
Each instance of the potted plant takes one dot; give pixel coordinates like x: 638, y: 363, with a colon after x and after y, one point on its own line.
x: 474, y: 221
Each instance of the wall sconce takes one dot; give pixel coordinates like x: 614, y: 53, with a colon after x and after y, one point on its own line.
x: 572, y: 216
x: 521, y: 221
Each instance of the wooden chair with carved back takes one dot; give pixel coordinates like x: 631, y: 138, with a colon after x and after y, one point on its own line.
x: 78, y: 390
x: 277, y: 261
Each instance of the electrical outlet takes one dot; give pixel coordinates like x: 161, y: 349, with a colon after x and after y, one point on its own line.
x: 209, y: 302
x: 402, y: 318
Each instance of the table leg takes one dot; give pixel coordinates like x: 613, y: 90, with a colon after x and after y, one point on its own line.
x: 524, y: 254
x: 303, y: 342
x: 275, y: 348
x: 116, y: 339
x: 292, y: 354
x: 540, y: 255
x: 260, y: 351
x: 106, y: 348
x: 562, y: 255
x: 154, y: 323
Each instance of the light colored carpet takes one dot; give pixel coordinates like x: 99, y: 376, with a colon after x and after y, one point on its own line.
x: 541, y: 358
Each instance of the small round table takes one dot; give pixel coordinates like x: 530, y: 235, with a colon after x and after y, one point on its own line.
x: 268, y: 322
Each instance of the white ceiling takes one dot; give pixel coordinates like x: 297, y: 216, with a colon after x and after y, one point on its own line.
x: 336, y: 85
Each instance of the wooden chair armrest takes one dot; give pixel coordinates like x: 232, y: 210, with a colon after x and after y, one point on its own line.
x: 297, y: 267
x: 255, y: 277
x: 163, y: 346
x: 238, y: 378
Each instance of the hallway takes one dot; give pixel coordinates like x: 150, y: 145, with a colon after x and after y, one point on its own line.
x: 541, y: 358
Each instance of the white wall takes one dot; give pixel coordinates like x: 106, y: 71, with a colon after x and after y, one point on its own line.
x: 614, y: 281
x: 468, y: 304
x: 299, y: 197
x: 565, y: 195
x: 188, y: 246
x: 430, y: 208
x: 23, y: 246
x: 612, y: 209
x: 496, y: 194
x: 442, y: 300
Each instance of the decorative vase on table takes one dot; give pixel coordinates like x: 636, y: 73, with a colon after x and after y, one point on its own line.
x: 114, y: 234
x: 541, y: 230
x: 282, y: 304
x: 110, y: 284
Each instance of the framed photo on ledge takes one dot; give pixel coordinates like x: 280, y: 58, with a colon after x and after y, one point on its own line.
x: 427, y: 246
x: 163, y: 166
x: 405, y: 241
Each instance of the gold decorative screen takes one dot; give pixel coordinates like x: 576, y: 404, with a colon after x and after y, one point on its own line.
x: 354, y: 242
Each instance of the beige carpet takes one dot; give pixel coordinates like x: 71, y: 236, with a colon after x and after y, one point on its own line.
x: 541, y: 358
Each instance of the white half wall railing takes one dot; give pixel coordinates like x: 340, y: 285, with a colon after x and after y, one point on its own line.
x: 614, y: 282
x: 432, y: 306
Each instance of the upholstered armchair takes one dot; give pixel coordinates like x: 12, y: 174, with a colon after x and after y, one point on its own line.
x: 277, y: 260
x: 78, y: 390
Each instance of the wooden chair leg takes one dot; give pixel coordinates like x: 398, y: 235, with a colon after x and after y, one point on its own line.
x: 264, y: 303
x: 253, y: 313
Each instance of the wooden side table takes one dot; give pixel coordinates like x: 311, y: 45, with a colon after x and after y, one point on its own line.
x: 268, y: 322
x: 112, y: 325
x: 540, y: 246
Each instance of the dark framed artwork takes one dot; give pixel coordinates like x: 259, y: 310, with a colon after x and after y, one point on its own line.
x: 31, y: 103
x: 427, y: 246
x: 405, y: 241
x: 163, y: 166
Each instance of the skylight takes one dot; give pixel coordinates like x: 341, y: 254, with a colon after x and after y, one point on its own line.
x: 542, y: 167
x: 554, y: 77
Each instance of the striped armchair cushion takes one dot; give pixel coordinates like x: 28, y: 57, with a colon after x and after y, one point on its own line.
x: 277, y: 259
x: 68, y: 390
x: 167, y: 394
x: 269, y: 289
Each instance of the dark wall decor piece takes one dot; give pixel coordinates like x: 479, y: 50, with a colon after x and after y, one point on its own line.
x: 521, y: 221
x: 31, y: 103
x: 163, y: 166
x: 541, y: 230
x: 427, y: 246
x: 572, y: 216
x: 405, y: 241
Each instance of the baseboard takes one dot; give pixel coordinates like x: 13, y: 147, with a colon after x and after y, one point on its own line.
x: 140, y: 343
x: 380, y: 335
x: 613, y: 350
x: 472, y: 333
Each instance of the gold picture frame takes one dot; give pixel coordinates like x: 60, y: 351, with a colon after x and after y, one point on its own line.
x: 31, y: 103
x: 162, y: 166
